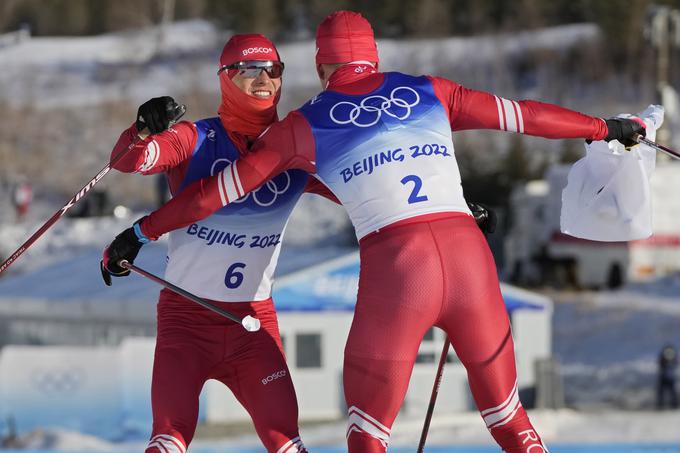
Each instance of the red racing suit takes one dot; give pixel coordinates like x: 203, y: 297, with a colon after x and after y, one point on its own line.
x: 382, y: 143
x: 226, y: 260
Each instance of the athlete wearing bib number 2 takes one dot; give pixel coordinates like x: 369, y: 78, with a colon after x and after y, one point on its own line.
x: 382, y: 143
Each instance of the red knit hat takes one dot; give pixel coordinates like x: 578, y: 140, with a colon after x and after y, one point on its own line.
x: 345, y: 36
x: 248, y: 47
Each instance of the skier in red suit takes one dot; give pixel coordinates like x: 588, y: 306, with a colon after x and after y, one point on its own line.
x: 228, y: 258
x: 382, y: 143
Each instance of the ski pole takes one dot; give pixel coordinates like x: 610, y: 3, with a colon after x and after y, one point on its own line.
x: 642, y: 140
x: 435, y: 392
x: 248, y: 322
x: 76, y: 198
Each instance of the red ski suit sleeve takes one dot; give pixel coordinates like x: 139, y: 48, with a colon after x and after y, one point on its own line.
x: 156, y: 153
x: 290, y: 144
x: 472, y: 109
x: 286, y: 145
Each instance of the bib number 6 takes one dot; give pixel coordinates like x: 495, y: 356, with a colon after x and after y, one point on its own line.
x: 415, y: 196
x: 234, y: 278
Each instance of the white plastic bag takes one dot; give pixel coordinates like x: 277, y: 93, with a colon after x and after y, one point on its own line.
x: 607, y: 197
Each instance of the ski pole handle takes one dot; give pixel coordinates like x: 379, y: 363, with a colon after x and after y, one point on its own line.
x: 248, y: 322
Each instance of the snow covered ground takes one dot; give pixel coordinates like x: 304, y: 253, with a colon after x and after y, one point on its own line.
x: 608, y: 342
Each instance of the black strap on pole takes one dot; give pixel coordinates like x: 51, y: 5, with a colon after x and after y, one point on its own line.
x: 248, y: 322
x: 433, y: 397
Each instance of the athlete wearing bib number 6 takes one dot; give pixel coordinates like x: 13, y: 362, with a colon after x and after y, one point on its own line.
x: 382, y: 142
x: 228, y: 257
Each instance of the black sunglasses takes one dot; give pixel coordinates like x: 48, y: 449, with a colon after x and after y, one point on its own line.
x: 252, y: 69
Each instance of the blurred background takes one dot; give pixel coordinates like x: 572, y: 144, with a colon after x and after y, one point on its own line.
x: 596, y: 324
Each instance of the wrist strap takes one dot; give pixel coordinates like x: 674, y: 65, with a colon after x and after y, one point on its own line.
x: 140, y: 236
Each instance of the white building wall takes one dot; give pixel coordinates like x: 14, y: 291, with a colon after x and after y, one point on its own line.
x: 75, y: 388
x: 106, y: 390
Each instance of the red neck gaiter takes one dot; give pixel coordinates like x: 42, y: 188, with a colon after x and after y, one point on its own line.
x: 245, y: 114
x: 355, y: 79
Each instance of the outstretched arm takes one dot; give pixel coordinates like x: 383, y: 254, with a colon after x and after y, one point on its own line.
x: 472, y: 109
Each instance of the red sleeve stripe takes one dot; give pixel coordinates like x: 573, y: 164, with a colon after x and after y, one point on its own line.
x: 229, y: 184
x: 151, y: 155
x: 509, y: 115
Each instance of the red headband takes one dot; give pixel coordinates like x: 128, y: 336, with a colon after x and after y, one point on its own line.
x: 248, y: 47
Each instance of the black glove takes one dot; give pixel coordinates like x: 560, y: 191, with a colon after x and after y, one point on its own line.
x: 158, y: 114
x: 124, y: 247
x: 484, y: 216
x: 623, y: 130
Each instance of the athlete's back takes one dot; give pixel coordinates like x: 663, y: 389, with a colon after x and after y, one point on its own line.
x: 388, y: 154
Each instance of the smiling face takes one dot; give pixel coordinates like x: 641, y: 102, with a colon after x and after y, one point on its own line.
x: 261, y: 87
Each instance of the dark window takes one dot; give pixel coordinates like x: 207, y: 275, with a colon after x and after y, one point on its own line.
x: 308, y: 350
x: 425, y: 357
x: 452, y: 358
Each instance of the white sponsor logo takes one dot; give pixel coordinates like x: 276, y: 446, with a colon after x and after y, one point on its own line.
x: 265, y: 195
x: 530, y: 436
x: 374, y: 106
x: 252, y: 50
x: 274, y: 376
x: 83, y: 191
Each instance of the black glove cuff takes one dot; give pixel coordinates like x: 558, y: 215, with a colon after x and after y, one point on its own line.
x: 623, y: 130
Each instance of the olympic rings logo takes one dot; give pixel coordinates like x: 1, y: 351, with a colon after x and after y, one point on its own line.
x: 267, y: 194
x: 372, y: 107
x: 58, y: 380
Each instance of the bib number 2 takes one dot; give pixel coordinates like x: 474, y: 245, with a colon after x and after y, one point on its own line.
x: 415, y: 196
x: 234, y: 278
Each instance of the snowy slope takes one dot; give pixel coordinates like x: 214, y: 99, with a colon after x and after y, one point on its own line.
x: 608, y: 342
x: 51, y: 72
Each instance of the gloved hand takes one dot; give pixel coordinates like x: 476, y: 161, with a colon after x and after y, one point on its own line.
x: 158, y: 114
x: 124, y: 247
x: 623, y: 130
x: 484, y: 216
